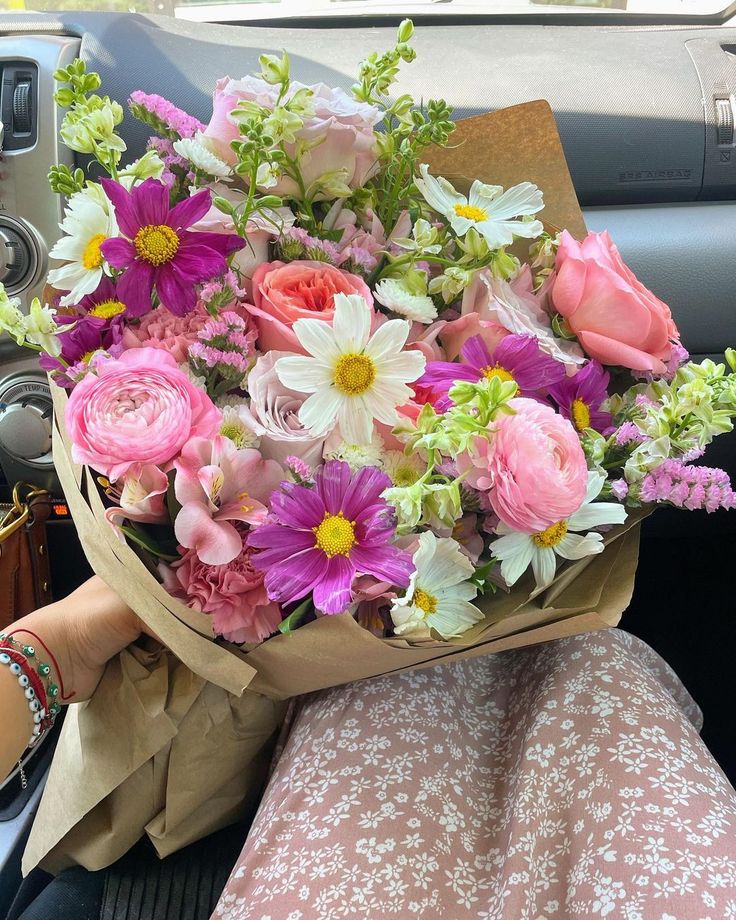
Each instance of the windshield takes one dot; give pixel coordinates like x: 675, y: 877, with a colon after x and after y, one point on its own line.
x: 254, y: 10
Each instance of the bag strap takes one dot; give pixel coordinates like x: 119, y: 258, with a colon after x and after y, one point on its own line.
x: 20, y: 512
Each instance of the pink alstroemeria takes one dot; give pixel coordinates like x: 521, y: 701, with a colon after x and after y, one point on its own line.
x: 216, y: 483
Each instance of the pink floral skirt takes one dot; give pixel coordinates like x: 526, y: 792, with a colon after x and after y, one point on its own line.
x: 565, y: 780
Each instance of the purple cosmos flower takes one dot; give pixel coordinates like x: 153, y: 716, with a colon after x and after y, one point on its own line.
x: 159, y: 250
x: 581, y: 396
x: 97, y: 326
x: 324, y: 536
x: 516, y: 357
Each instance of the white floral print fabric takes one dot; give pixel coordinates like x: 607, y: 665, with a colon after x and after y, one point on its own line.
x: 565, y: 780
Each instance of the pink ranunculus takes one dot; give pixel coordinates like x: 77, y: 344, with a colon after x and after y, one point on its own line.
x: 617, y: 320
x: 533, y: 467
x: 138, y: 409
x: 233, y: 595
x: 286, y: 292
x: 162, y: 329
x: 217, y: 484
x: 339, y: 137
x: 274, y: 416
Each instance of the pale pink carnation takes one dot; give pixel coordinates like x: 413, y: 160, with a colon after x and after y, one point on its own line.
x: 533, y: 467
x: 161, y: 329
x: 233, y: 595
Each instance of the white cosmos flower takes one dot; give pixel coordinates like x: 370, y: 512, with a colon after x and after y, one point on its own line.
x: 393, y: 294
x: 88, y: 221
x: 439, y: 593
x: 565, y: 538
x: 493, y: 212
x: 200, y: 156
x: 354, y: 377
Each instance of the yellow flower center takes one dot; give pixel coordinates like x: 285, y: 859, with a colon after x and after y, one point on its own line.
x: 551, y: 536
x: 354, y: 374
x: 87, y: 357
x: 235, y: 433
x: 156, y: 243
x: 335, y: 536
x: 580, y: 414
x: 92, y: 257
x: 106, y: 309
x: 405, y: 476
x: 425, y: 601
x: 497, y: 371
x: 470, y: 212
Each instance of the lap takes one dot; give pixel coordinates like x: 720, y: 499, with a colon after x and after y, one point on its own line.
x: 566, y: 780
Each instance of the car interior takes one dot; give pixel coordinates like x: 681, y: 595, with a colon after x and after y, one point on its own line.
x: 644, y: 96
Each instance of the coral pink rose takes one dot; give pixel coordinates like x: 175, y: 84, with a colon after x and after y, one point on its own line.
x: 616, y: 319
x: 339, y: 136
x: 286, y: 292
x: 138, y: 409
x: 233, y: 595
x: 533, y: 467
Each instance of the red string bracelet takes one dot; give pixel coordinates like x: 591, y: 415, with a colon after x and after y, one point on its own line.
x: 51, y: 656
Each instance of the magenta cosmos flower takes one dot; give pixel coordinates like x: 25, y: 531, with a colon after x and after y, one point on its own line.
x: 160, y: 252
x: 322, y: 537
x: 581, y: 396
x: 516, y: 357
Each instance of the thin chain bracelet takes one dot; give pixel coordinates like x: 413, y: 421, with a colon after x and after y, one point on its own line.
x: 35, y: 696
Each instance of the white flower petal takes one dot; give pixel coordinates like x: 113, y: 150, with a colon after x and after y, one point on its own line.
x: 303, y: 374
x: 573, y: 546
x: 481, y: 194
x: 388, y: 339
x: 317, y: 337
x: 596, y: 515
x: 454, y: 618
x: 519, y: 200
x: 352, y: 323
x: 319, y: 411
x: 405, y: 367
x: 515, y: 552
x: 444, y: 567
x: 354, y: 421
x: 438, y: 193
x: 544, y: 566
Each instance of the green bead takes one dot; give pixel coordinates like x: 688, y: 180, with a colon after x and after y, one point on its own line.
x: 29, y: 651
x: 44, y: 669
x: 53, y: 690
x: 54, y: 709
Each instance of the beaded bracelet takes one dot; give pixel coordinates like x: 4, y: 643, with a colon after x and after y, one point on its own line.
x: 44, y: 670
x: 32, y: 688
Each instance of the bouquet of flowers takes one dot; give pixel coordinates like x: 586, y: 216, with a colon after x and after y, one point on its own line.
x: 343, y: 412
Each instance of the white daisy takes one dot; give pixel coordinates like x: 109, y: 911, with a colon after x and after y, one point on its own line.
x: 89, y: 220
x: 356, y: 455
x: 235, y: 424
x: 492, y: 211
x: 415, y: 305
x: 200, y: 156
x: 354, y: 377
x: 439, y: 593
x: 517, y: 550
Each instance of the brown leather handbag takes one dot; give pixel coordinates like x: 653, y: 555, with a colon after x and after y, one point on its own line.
x: 25, y: 577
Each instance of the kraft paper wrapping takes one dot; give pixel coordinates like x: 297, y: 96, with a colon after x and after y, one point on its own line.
x: 174, y: 742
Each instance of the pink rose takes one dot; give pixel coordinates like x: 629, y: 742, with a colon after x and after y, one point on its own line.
x: 616, y: 319
x: 339, y: 136
x: 274, y: 416
x: 217, y: 484
x: 138, y: 409
x: 533, y: 467
x: 286, y: 292
x: 232, y: 594
x: 162, y: 329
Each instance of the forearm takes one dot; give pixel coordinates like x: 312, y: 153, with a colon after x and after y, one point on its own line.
x: 16, y: 721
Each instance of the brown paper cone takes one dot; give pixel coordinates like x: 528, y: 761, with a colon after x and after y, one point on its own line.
x: 170, y: 745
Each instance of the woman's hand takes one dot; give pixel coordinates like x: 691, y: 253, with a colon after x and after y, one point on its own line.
x: 82, y: 632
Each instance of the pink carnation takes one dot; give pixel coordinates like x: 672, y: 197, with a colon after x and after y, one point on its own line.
x: 161, y: 329
x: 533, y: 467
x: 233, y: 595
x: 138, y: 409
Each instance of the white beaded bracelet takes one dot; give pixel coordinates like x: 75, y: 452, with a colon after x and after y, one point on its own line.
x: 34, y: 704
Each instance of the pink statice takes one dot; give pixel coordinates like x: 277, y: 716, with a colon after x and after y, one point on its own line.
x: 176, y: 168
x: 223, y: 351
x: 301, y: 471
x: 691, y: 487
x: 232, y: 594
x: 619, y: 489
x: 162, y: 329
x: 627, y: 434
x: 222, y: 292
x: 164, y: 115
